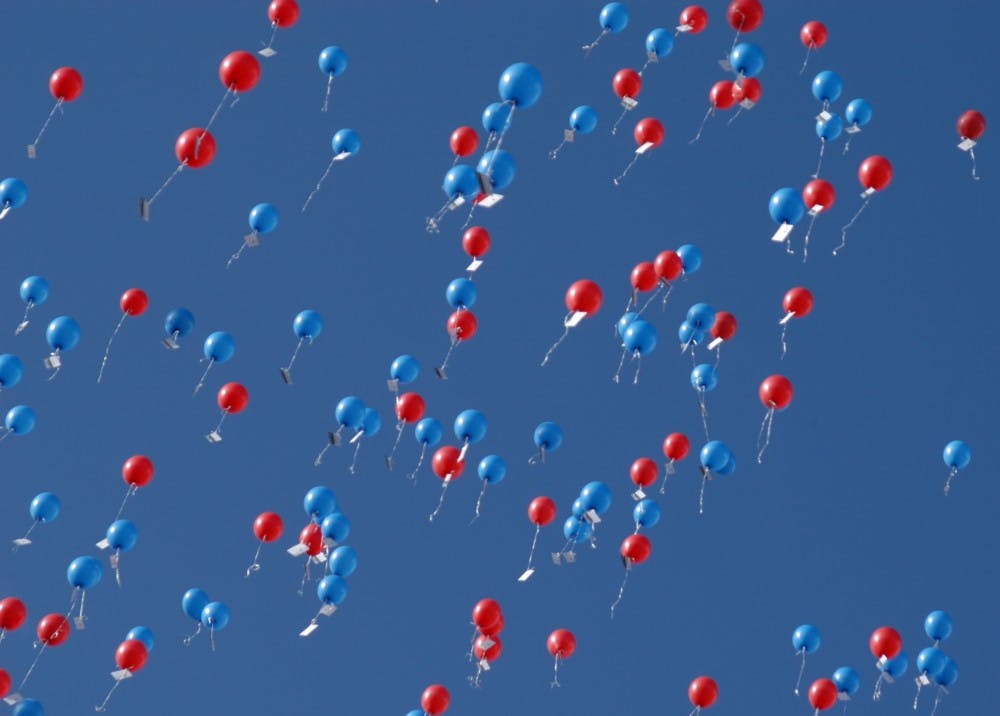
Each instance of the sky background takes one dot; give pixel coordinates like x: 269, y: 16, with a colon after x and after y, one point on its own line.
x: 844, y: 525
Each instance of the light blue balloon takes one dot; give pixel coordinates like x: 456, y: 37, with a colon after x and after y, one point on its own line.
x: 495, y: 117
x: 577, y: 530
x: 461, y: 180
x: 896, y: 666
x: 13, y: 193
x: 371, y: 423
x: 34, y: 290
x: 84, y: 572
x: 931, y: 661
x: 948, y: 674
x: 690, y: 258
x: 44, y: 507
x: 521, y: 84
x: 11, y: 370
x: 28, y: 707
x: 786, y: 206
x: 20, y: 420
x: 461, y: 293
x: 405, y: 369
x: 646, y: 513
x: 319, y: 502
x: 597, y: 497
x: 307, y: 324
x: 492, y: 469
x: 193, y: 602
x: 613, y: 17
x: 806, y: 639
x: 938, y: 625
x: 848, y: 680
x: 219, y: 347
x: 122, y: 535
x: 858, y: 112
x: 624, y: 322
x: 499, y: 166
x: 714, y: 456
x: 350, y: 412
x: 640, y: 337
x: 332, y: 61
x: 336, y: 526
x: 417, y: 712
x: 332, y: 590
x: 548, y: 436
x: 62, y: 334
x: 829, y: 129
x: 701, y: 316
x: 144, y: 635
x: 729, y: 468
x: 659, y: 43
x: 470, y: 426
x: 428, y: 431
x: 215, y: 616
x: 346, y: 140
x: 747, y: 59
x: 957, y: 454
x: 579, y: 508
x: 583, y: 119
x: 179, y: 322
x: 263, y: 218
x: 688, y: 334
x: 343, y: 561
x: 704, y: 377
x: 827, y: 86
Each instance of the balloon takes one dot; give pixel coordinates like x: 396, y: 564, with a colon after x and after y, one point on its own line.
x: 470, y: 426
x: 931, y: 661
x: 822, y: 694
x: 721, y: 95
x: 131, y: 655
x: 640, y: 337
x: 13, y: 193
x: 636, y: 548
x: 584, y: 296
x: 695, y: 18
x: 668, y: 265
x: 193, y: 601
x: 232, y: 398
x: 747, y: 59
x: 596, y: 496
x: 371, y: 423
x: 938, y: 625
x: 689, y: 335
x: 122, y: 535
x: 583, y: 119
x: 11, y: 370
x: 215, y: 616
x: 345, y: 141
x: 283, y: 13
x: 579, y: 508
x: 541, y: 511
x: 195, y: 148
x: 648, y: 131
x: 12, y: 613
x: 676, y: 446
x: 701, y: 316
x: 624, y: 322
x: 463, y: 141
x: 858, y: 112
x: 704, y: 377
x: 646, y: 513
x: 343, y: 561
x: 307, y: 324
x: 65, y: 84
x: 268, y: 526
x: 806, y: 638
x: 499, y: 166
x: 729, y: 468
x: 749, y: 90
x: 239, y: 71
x: 548, y: 436
x: 786, y: 206
x: 703, y: 692
x: 957, y: 454
x: 948, y: 674
x: 895, y: 667
x: 350, y: 412
x: 885, y: 642
x: 776, y: 392
x: 134, y: 302
x: 577, y: 530
x: 84, y: 573
x: 486, y: 613
x: 336, y: 527
x: 476, y: 241
x: 428, y: 432
x: 495, y: 117
x: 137, y: 471
x: 5, y: 682
x: 627, y: 83
x: 521, y: 84
x: 178, y: 322
x: 643, y: 276
x: 690, y: 258
x: 829, y: 129
x: 435, y: 698
x: 613, y: 17
x: 818, y: 192
x: 798, y: 300
x: 409, y: 407
x: 263, y: 218
x: 461, y: 180
x: 20, y: 420
x: 745, y: 15
x: 492, y: 469
x: 490, y: 653
x: 319, y: 502
x: 813, y: 34
x: 446, y: 464
x: 644, y: 472
x: 62, y: 333
x: 332, y: 589
x: 404, y: 368
x: 461, y: 293
x: 53, y: 629
x: 827, y: 86
x: 332, y: 61
x: 219, y: 347
x: 34, y: 289
x: 875, y: 173
x: 724, y: 326
x: 561, y: 643
x: 847, y: 680
x: 659, y: 43
x: 28, y: 707
x: 971, y: 125
x: 143, y: 635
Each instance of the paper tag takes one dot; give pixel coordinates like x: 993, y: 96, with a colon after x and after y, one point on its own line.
x: 286, y: 375
x: 644, y: 148
x: 330, y: 543
x: 568, y: 135
x: 170, y: 343
x: 103, y: 544
x: 459, y: 200
x: 309, y: 629
x: 439, y: 372
x: 144, y: 209
x: 342, y: 156
x: 570, y: 557
x: 113, y: 560
x: 685, y: 28
x: 267, y: 52
x: 824, y: 116
x: 781, y: 235
x: 53, y: 361
x: 651, y: 56
x: 22, y: 541
x: 333, y: 438
x: 716, y: 342
x: 557, y: 559
x: 789, y: 316
x: 4, y: 212
x: 526, y: 575
x: 252, y: 240
x: 629, y: 102
x: 474, y: 266
x: 214, y: 437
x: 393, y: 385
x: 484, y: 665
x: 748, y: 104
x: 638, y: 495
x: 867, y: 192
x: 328, y: 609
x: 298, y: 550
x: 923, y: 680
x: 485, y: 643
x: 121, y: 674
x: 966, y: 144
x: 852, y: 129
x: 319, y: 558
x: 841, y: 696
x: 13, y: 699
x: 31, y: 151
x: 882, y: 660
x: 888, y: 679
x: 816, y: 209
x: 491, y: 200
x: 79, y: 623
x: 575, y: 319
x: 724, y: 64
x: 592, y: 517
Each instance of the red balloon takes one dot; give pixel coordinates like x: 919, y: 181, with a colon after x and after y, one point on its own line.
x: 724, y: 326
x: 446, y: 464
x: 137, y: 471
x: 644, y: 276
x: 721, y: 95
x: 192, y: 153
x: 66, y: 84
x: 12, y: 613
x: 464, y: 141
x: 668, y: 265
x: 885, y: 642
x: 636, y: 548
x: 494, y: 630
x: 971, y: 125
x: 491, y: 652
x: 676, y: 446
x: 312, y: 537
x: 648, y: 130
x: 875, y: 173
x: 798, y: 300
x: 476, y: 241
x: 283, y: 13
x: 239, y: 71
x: 4, y: 683
x: 486, y: 613
x: 268, y: 526
x: 776, y: 392
x: 410, y: 407
x: 703, y: 692
x: 745, y: 15
x: 813, y: 34
x: 819, y: 192
x: 561, y: 643
x: 822, y: 694
x: 53, y: 629
x: 627, y: 83
x: 584, y: 296
x: 749, y: 89
x: 542, y: 510
x: 131, y: 655
x: 462, y: 325
x: 134, y: 302
x: 694, y: 17
x: 435, y: 699
x: 232, y: 398
x: 644, y: 472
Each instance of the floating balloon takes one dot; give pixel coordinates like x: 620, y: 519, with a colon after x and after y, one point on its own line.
x: 582, y: 120
x: 890, y: 670
x: 331, y: 591
x: 44, y: 508
x: 638, y: 340
x: 428, y: 433
x: 646, y: 512
x: 11, y: 370
x: 65, y: 84
x: 133, y: 303
x: 130, y: 656
x: 720, y: 96
x: 930, y: 663
x: 548, y: 436
x: 822, y: 694
x: 448, y: 465
x: 541, y: 512
x: 715, y: 457
x: 858, y: 113
x: 828, y: 128
x: 335, y: 528
x: 435, y: 700
x: 886, y: 644
x: 20, y: 420
x: 267, y: 527
x: 281, y: 13
x: 83, y: 573
x: 874, y: 174
x: 62, y: 334
x: 847, y: 681
x: 319, y: 502
x: 702, y: 693
x: 817, y: 196
x: 491, y: 470
x: 345, y: 143
x: 404, y: 369
x: 561, y: 644
x: 970, y: 126
x: 648, y: 134
x: 745, y: 15
x: 409, y: 409
x: 938, y: 626
x: 461, y: 326
x: 659, y: 44
x: 463, y: 142
x: 34, y: 291
x: 635, y: 549
x: 675, y: 449
x: 775, y: 393
x: 613, y: 18
x: 746, y: 60
x: 805, y: 640
x: 13, y: 195
x: 194, y: 148
x: 232, y: 398
x: 827, y: 87
x: 13, y: 614
x: 692, y: 19
x: 263, y: 219
x: 583, y: 299
x: 306, y: 326
x: 475, y: 242
x: 214, y: 617
x: 121, y: 536
x: 178, y: 323
x: 944, y: 679
x: 723, y: 329
x: 193, y: 602
x: 691, y: 258
x: 704, y: 378
x: 797, y: 303
x: 332, y: 63
x: 219, y: 347
x: 813, y: 35
x: 957, y: 456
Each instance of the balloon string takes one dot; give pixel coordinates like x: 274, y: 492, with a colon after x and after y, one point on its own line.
x: 239, y: 252
x: 802, y: 670
x: 784, y: 342
x: 555, y: 674
x: 255, y: 565
x: 739, y: 111
x: 413, y: 475
x: 638, y: 364
x: 666, y: 474
x: 305, y: 576
x: 952, y: 473
x: 479, y: 501
x: 444, y: 488
x: 118, y: 573
x: 318, y: 184
x: 48, y: 120
x: 972, y: 156
x: 32, y: 667
x: 474, y: 680
x: 701, y: 128
x: 701, y: 495
x: 329, y: 88
x: 211, y: 362
x: 618, y: 180
x: 659, y: 287
x: 937, y: 699
x: 107, y: 698
x: 211, y: 637
x: 877, y: 694
x: 805, y: 241
x: 319, y: 458
x: 819, y: 165
x: 764, y: 438
x: 221, y: 419
x: 447, y: 357
x: 848, y: 225
x: 211, y: 121
x: 178, y: 170
x: 806, y: 60
x: 3, y: 633
x: 621, y: 590
x: 847, y: 145
x: 24, y: 319
x: 295, y: 354
x: 703, y: 407
x: 548, y: 353
x: 107, y: 348
x: 555, y: 152
x: 718, y: 355
x: 274, y: 33
x: 587, y: 48
x: 917, y: 697
x: 399, y: 435
x: 128, y: 493
x: 621, y: 366
x: 432, y: 222
x: 83, y: 600
x: 614, y: 127
x: 354, y: 460
x: 534, y: 544
x: 666, y: 296
x: 33, y: 524
x: 188, y: 639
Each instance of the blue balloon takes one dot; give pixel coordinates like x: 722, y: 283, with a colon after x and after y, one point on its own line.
x: 371, y: 423
x: 714, y: 456
x: 343, y: 561
x: 829, y: 129
x: 461, y: 293
x: 470, y: 426
x: 521, y: 84
x: 62, y: 334
x: 20, y: 420
x: 747, y: 59
x: 307, y: 324
x: 34, y: 290
x: 319, y: 502
x: 583, y: 119
x: 215, y: 616
x: 332, y: 590
x: 948, y: 674
x: 28, y: 707
x: 704, y: 377
x: 806, y: 638
x: 690, y: 258
x: 895, y: 667
x: 613, y: 17
x: 461, y: 180
x: 688, y: 334
x: 640, y: 337
x: 786, y: 206
x: 263, y: 218
x: 957, y: 454
x: 219, y: 347
x: 404, y: 368
x: 84, y: 572
x: 499, y: 166
x: 495, y: 117
x: 930, y: 661
x: 577, y: 530
x: 122, y: 535
x: 938, y: 625
x: 659, y: 43
x: 193, y: 602
x: 858, y: 112
x: 428, y: 431
x: 13, y: 193
x: 144, y: 635
x: 346, y: 140
x: 596, y: 496
x: 548, y: 436
x: 646, y: 513
x: 332, y: 61
x: 827, y: 86
x: 848, y: 680
x: 350, y: 412
x: 179, y: 322
x: 492, y: 469
x: 729, y: 468
x: 624, y: 321
x: 11, y: 370
x: 417, y: 712
x: 336, y: 526
x: 579, y: 508
x: 44, y: 507
x: 701, y: 316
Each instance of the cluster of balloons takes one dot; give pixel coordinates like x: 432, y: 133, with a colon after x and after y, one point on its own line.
x: 352, y: 413
x: 448, y: 462
x: 589, y: 507
x: 486, y: 645
x: 208, y: 614
x: 461, y: 295
x: 130, y: 656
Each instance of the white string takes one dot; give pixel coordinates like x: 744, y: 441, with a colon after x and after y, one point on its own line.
x: 739, y: 111
x: 447, y: 357
x: 802, y: 670
x: 819, y: 165
x: 555, y: 152
x: 319, y: 183
x: 555, y: 674
x: 805, y: 244
x: 587, y: 48
x: 107, y: 349
x: 848, y: 225
x: 701, y: 496
x: 638, y: 364
x: 34, y: 524
x: 48, y: 120
x: 480, y: 501
x: 764, y: 440
x: 399, y: 434
x: 211, y: 121
x: 621, y: 365
x: 239, y: 252
x: 806, y: 60
x: 703, y: 408
x: 33, y: 664
x: 319, y: 458
x: 357, y: 450
x: 255, y: 565
x: 211, y: 636
x: 701, y: 128
x: 621, y: 590
x: 178, y: 170
x: 24, y: 319
x: 972, y: 155
x: 188, y: 639
x: 917, y: 697
x: 538, y: 457
x: 128, y: 493
x: 118, y: 574
x: 107, y: 698
x: 274, y: 32
x: 444, y: 488
x: 937, y: 699
x: 221, y: 419
x: 295, y: 354
x: 534, y: 544
x: 413, y: 475
x: 548, y: 353
x: 847, y: 145
x: 305, y: 575
x: 784, y: 342
x: 947, y: 483
x: 326, y: 100
x: 614, y: 127
x: 211, y: 362
x: 618, y: 179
